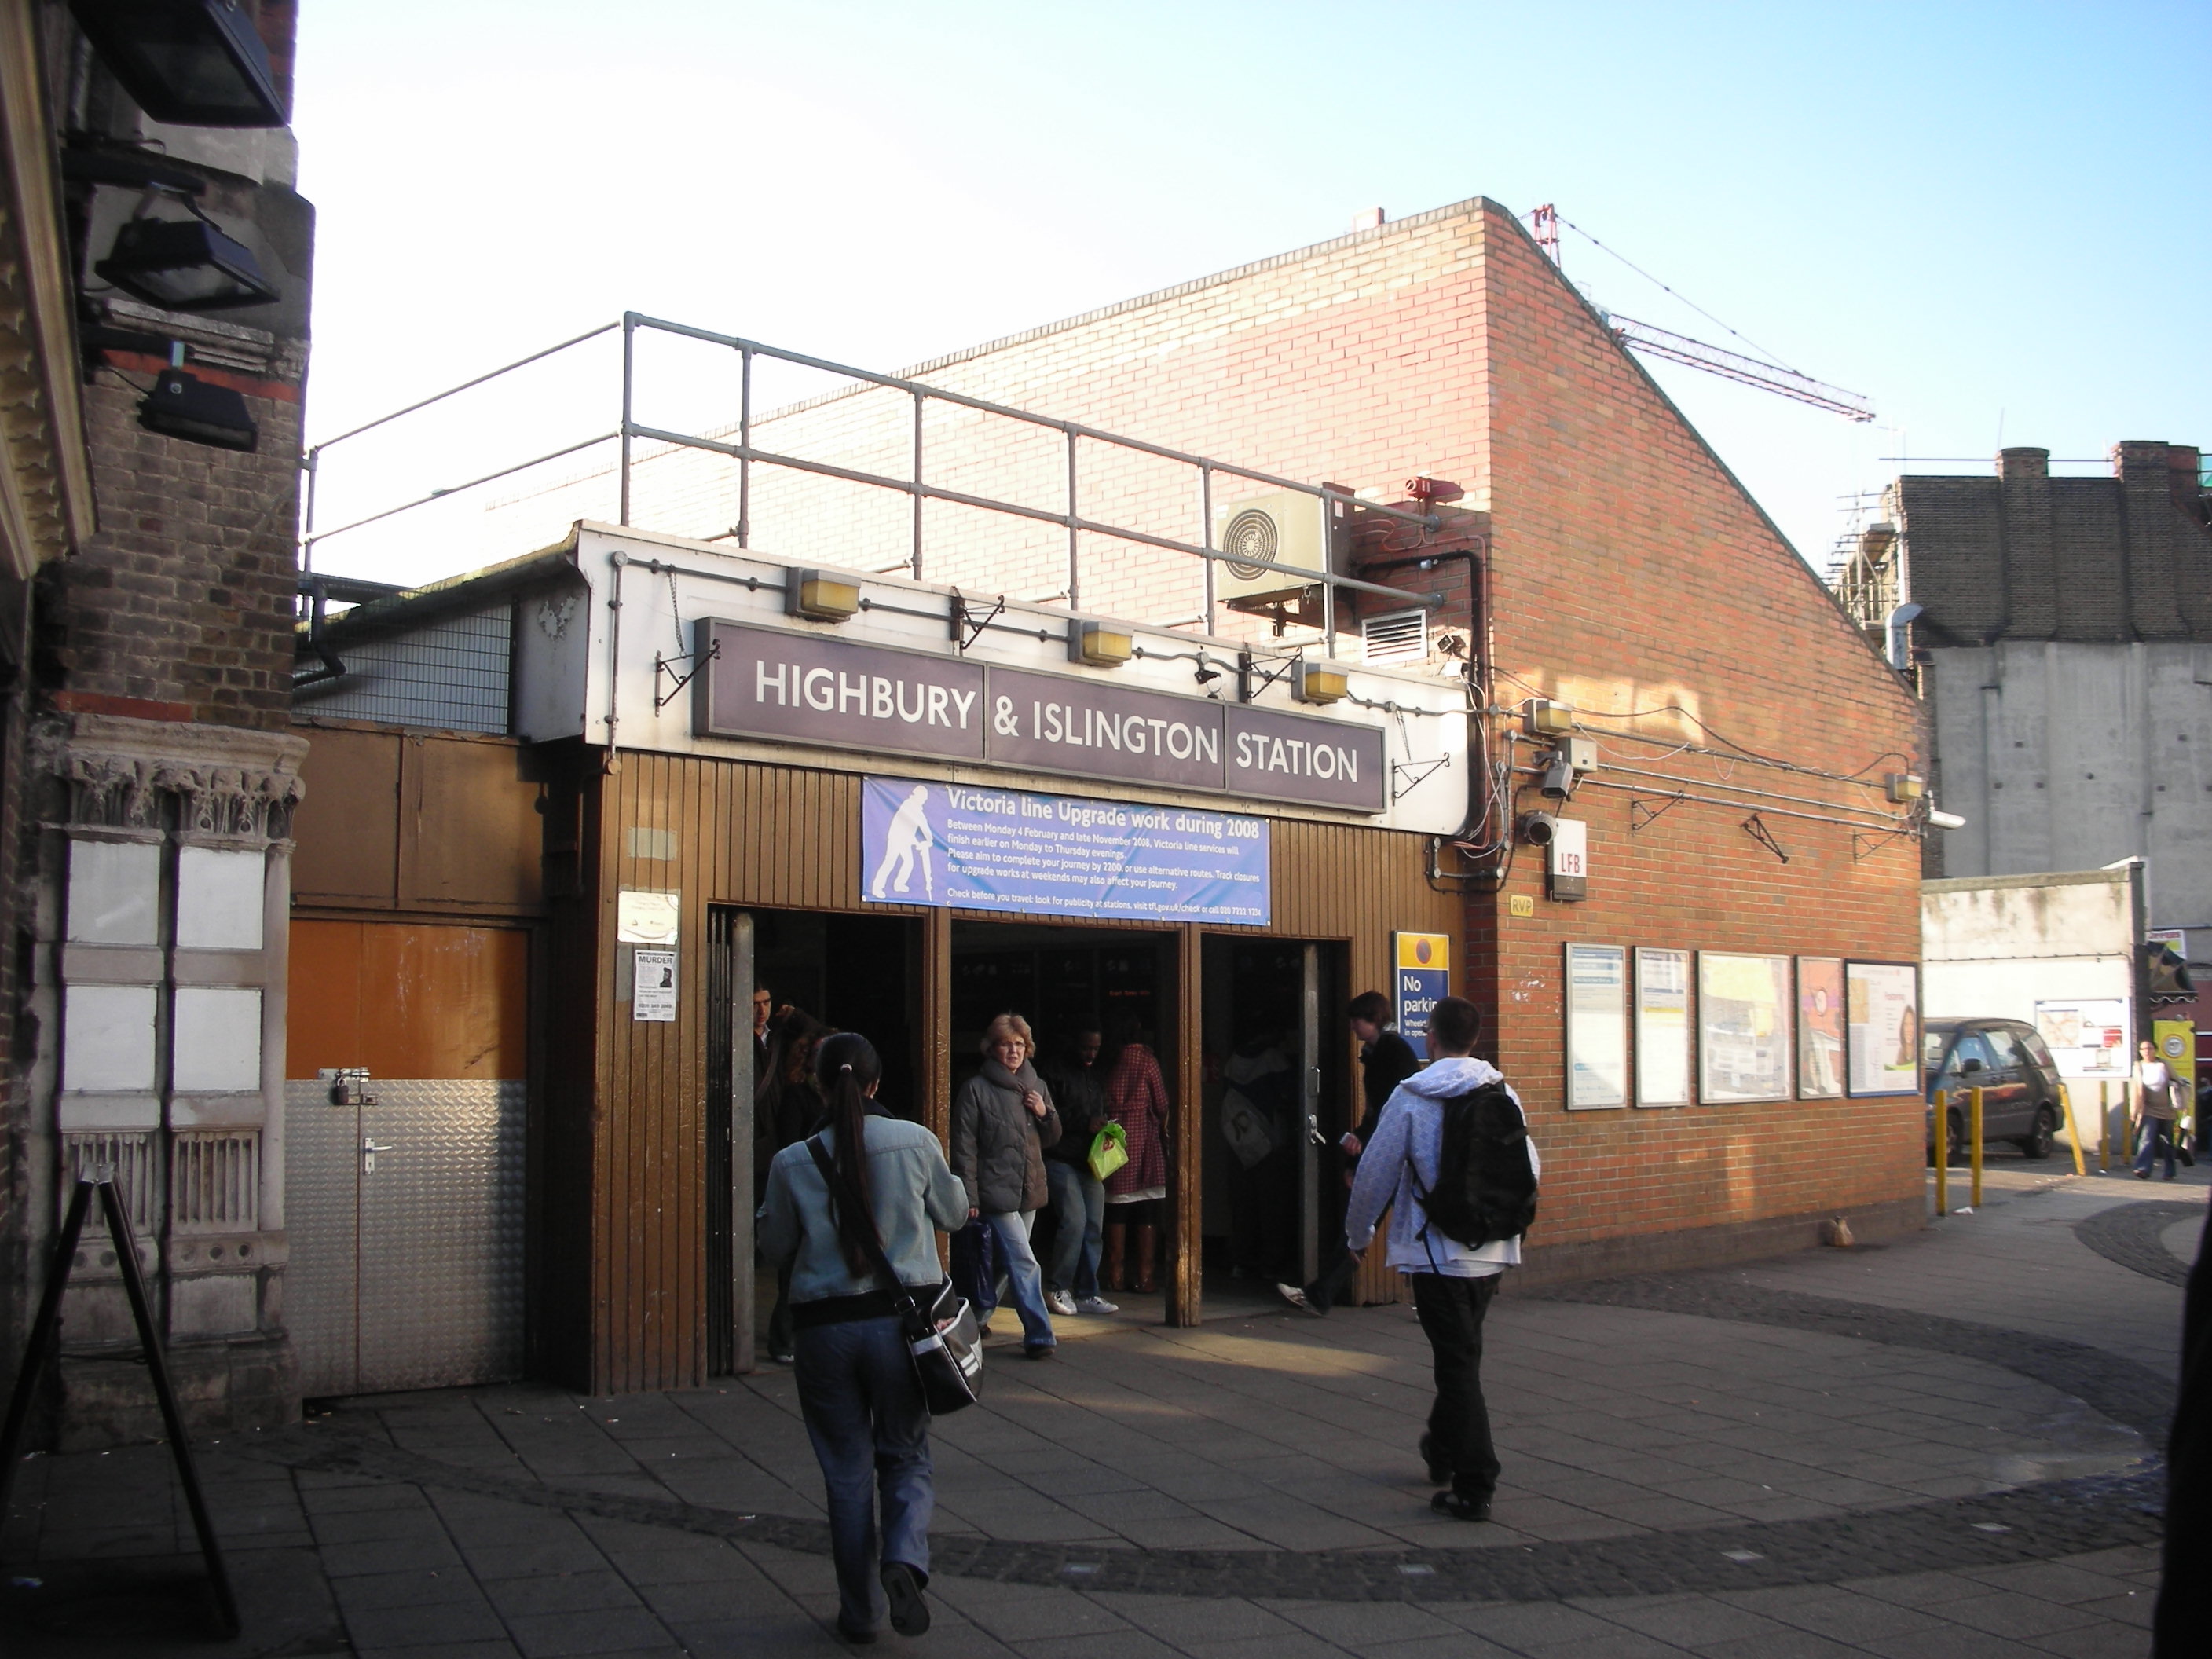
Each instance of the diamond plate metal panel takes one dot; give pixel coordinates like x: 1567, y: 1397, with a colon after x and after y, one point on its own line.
x: 321, y: 1213
x: 441, y: 1226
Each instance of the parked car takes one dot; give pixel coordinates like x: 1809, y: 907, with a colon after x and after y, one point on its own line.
x: 2009, y: 1061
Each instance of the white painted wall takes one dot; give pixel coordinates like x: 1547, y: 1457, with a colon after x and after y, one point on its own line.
x: 1998, y: 945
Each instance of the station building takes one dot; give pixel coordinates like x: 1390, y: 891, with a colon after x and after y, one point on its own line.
x: 1510, y: 689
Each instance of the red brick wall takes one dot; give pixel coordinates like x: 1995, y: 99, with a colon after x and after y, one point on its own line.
x: 180, y: 607
x: 1629, y: 572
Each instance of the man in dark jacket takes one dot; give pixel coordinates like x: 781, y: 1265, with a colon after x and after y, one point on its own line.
x: 1079, y: 1197
x: 1386, y: 1059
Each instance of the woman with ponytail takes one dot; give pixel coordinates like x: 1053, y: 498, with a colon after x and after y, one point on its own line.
x: 857, y: 1389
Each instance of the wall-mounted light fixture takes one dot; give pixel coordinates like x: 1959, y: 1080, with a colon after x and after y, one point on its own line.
x: 189, y: 63
x: 1906, y: 787
x: 1311, y: 682
x: 1098, y: 647
x: 185, y: 264
x: 820, y: 598
x: 1546, y: 719
x: 184, y: 406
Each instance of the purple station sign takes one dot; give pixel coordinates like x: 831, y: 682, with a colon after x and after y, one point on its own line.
x: 796, y: 687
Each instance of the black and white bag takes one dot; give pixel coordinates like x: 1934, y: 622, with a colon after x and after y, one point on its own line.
x: 945, y: 1344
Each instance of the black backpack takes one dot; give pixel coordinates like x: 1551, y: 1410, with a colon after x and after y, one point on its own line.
x: 1486, y: 1186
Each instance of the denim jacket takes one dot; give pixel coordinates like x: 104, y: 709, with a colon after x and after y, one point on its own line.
x: 914, y: 1191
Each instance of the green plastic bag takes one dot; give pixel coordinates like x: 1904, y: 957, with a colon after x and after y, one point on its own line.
x: 1109, y: 1151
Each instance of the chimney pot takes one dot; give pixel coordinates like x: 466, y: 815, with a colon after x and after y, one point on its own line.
x: 2023, y: 462
x: 1367, y: 219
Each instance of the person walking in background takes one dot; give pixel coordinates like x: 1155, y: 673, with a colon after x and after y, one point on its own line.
x: 1453, y: 1282
x: 1386, y: 1059
x: 1003, y: 1119
x: 2156, y: 1095
x: 1137, y: 1098
x: 787, y: 1108
x: 1079, y: 1197
x: 857, y: 1393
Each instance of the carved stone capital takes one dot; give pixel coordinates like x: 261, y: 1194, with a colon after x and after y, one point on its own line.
x: 210, y: 781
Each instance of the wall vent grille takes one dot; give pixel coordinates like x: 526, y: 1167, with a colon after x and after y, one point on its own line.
x: 214, y: 1184
x: 131, y: 1157
x: 1396, y: 637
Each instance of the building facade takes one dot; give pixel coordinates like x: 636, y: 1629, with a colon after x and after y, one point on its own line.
x: 149, y: 815
x: 2064, y: 644
x: 1643, y: 784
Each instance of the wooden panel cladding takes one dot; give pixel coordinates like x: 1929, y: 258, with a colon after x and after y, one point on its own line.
x: 418, y: 821
x: 633, y: 1315
x: 411, y: 999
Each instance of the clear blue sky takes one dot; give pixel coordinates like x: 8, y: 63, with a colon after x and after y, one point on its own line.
x: 1988, y: 218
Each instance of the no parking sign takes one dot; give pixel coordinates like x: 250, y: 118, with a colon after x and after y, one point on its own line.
x: 1423, y: 977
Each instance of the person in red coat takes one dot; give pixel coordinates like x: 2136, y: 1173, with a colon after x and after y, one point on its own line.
x: 1137, y: 1099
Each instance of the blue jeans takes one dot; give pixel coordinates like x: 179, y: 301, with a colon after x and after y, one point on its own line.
x: 1010, y: 1242
x: 2157, y: 1137
x: 1079, y: 1208
x: 865, y: 1415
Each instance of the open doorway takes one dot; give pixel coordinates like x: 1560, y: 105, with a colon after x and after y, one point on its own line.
x: 1275, y: 1105
x: 834, y: 972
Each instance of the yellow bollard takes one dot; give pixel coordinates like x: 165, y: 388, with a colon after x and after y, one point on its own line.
x: 1940, y: 1133
x: 1974, y: 1140
x: 2073, y: 1129
x: 2104, y: 1130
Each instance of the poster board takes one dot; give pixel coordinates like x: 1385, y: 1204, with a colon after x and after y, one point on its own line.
x: 1821, y: 1039
x: 1882, y: 1003
x: 2091, y: 1038
x: 1597, y: 1026
x: 1745, y: 1039
x: 1663, y: 1027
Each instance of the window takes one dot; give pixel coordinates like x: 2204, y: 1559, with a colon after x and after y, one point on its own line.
x: 2006, y: 1045
x: 1971, y: 1047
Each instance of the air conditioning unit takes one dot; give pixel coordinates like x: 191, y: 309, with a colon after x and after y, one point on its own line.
x: 1283, y: 528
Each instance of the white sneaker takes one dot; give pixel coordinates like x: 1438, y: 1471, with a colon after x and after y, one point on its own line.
x: 1060, y: 1303
x: 1097, y: 1305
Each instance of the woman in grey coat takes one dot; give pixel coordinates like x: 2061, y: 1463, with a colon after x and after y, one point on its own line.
x: 1003, y: 1119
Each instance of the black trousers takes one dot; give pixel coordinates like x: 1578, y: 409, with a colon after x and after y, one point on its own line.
x: 1451, y: 1311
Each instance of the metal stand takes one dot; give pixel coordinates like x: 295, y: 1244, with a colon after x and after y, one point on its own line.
x: 46, y: 1338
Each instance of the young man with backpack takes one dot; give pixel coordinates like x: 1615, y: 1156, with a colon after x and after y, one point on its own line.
x: 1451, y: 1160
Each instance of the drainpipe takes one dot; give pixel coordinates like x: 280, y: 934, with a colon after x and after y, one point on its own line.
x: 1900, y: 618
x: 317, y: 597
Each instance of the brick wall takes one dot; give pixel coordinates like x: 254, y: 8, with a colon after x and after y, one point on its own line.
x: 182, y: 603
x: 1630, y: 571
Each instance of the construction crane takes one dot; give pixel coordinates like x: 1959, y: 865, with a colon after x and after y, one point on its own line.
x: 1655, y: 342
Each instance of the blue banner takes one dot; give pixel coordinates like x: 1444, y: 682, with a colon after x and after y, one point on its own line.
x: 972, y: 849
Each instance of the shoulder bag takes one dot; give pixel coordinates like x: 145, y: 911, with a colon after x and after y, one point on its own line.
x: 943, y: 1339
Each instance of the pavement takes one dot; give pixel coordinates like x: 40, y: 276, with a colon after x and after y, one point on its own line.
x: 1945, y: 1445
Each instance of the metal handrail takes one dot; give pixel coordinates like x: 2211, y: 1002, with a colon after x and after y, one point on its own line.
x: 746, y: 453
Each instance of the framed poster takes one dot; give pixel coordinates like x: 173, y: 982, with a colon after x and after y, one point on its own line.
x: 2091, y: 1039
x: 1883, y: 1003
x: 1819, y: 1027
x: 1597, y: 1026
x: 1743, y: 1027
x: 1663, y: 1027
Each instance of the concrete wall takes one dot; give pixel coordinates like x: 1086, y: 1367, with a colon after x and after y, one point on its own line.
x: 1997, y: 946
x: 2063, y: 755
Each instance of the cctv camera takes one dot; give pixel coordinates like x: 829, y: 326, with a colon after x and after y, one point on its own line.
x: 1537, y: 829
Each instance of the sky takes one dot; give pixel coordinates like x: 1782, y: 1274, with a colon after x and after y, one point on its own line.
x: 1989, y: 219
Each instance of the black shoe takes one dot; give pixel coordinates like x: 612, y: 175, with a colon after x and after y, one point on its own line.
x: 1038, y: 1350
x: 910, y: 1612
x: 1461, y: 1507
x: 859, y: 1638
x: 1440, y: 1473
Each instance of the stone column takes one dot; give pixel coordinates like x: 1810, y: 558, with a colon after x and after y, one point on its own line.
x: 159, y: 920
